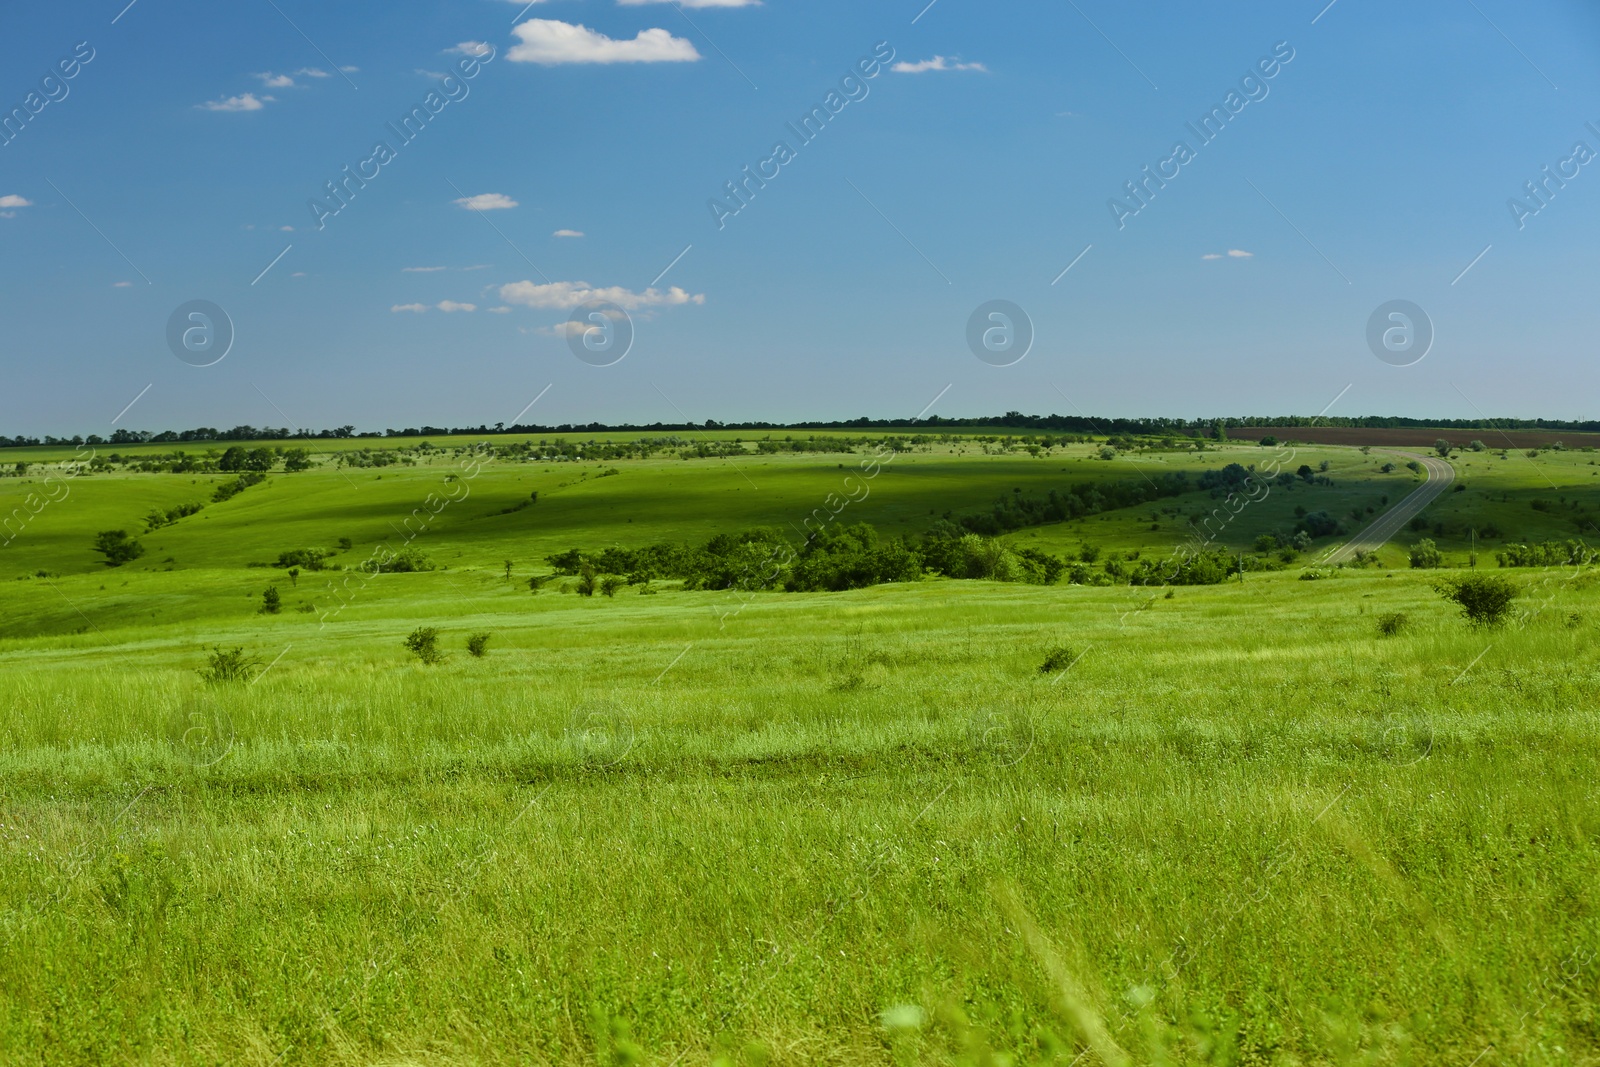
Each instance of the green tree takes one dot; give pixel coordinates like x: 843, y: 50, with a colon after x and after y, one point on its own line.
x: 271, y: 601
x: 1442, y: 447
x: 1425, y: 556
x: 117, y: 547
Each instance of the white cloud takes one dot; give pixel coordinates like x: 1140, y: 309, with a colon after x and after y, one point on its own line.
x: 437, y: 75
x: 13, y: 200
x: 479, y: 266
x: 122, y: 285
x: 1239, y: 253
x: 419, y: 270
x: 550, y: 42
x: 469, y: 48
x: 350, y: 70
x: 275, y: 81
x: 1212, y: 255
x: 244, y: 102
x: 936, y: 63
x: 567, y: 233
x: 487, y: 202
x: 8, y: 214
x: 501, y: 310
x: 694, y: 3
x: 286, y: 229
x: 567, y: 295
x: 446, y: 306
x: 313, y: 72
x: 298, y: 274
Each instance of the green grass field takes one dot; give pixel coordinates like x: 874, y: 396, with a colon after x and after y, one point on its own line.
x: 1231, y: 823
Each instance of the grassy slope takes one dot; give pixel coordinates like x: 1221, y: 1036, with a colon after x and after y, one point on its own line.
x: 815, y: 814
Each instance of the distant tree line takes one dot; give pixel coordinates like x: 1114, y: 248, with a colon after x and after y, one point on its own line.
x: 1215, y: 428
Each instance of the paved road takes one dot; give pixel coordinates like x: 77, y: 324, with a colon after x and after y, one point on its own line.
x: 1439, y: 476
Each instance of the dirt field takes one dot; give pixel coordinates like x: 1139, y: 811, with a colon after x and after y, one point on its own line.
x: 1415, y: 436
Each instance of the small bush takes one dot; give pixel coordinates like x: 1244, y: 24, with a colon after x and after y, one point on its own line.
x: 423, y: 643
x: 1485, y: 599
x: 611, y: 583
x: 312, y: 559
x: 1057, y: 659
x: 228, y: 665
x: 1392, y: 623
x: 271, y: 601
x: 478, y: 645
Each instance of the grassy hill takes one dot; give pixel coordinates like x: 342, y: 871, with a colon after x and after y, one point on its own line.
x: 944, y: 820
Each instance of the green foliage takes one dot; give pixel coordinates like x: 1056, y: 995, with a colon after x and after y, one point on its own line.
x: 423, y: 643
x: 271, y: 601
x: 159, y: 517
x: 407, y: 561
x: 1057, y: 659
x: 234, y: 486
x: 117, y: 547
x: 1484, y: 599
x: 1547, y: 554
x: 1443, y: 447
x: 228, y: 665
x: 311, y: 559
x: 1391, y: 623
x: 478, y: 645
x: 1425, y: 555
x: 296, y: 459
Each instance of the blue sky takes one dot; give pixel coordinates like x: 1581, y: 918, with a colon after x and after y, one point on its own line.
x: 179, y: 161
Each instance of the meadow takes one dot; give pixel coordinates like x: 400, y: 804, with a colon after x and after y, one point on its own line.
x: 1269, y: 820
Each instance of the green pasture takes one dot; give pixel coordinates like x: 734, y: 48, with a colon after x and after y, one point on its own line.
x: 947, y: 821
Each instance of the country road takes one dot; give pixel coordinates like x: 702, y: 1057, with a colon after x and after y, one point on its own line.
x: 1439, y: 475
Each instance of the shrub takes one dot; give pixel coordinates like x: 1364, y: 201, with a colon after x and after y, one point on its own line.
x: 1057, y: 659
x: 1414, y: 466
x: 1442, y: 447
x: 117, y: 547
x: 406, y: 561
x: 271, y: 601
x: 478, y: 645
x: 309, y: 558
x: 228, y: 665
x: 1108, y: 453
x: 1318, y: 524
x: 423, y: 643
x: 234, y: 486
x: 1485, y: 599
x: 1425, y: 556
x: 611, y: 583
x: 1392, y: 623
x: 587, y: 581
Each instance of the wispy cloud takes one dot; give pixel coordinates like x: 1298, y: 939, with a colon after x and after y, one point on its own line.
x: 446, y: 306
x: 487, y: 202
x: 936, y: 63
x: 468, y: 48
x: 419, y: 270
x: 275, y: 81
x: 693, y: 3
x: 567, y: 295
x: 13, y: 200
x: 550, y: 42
x: 242, y: 102
x: 567, y: 233
x: 1233, y: 253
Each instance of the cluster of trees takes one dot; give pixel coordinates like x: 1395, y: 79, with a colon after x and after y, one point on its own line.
x: 1547, y: 554
x: 855, y: 556
x: 1017, y: 510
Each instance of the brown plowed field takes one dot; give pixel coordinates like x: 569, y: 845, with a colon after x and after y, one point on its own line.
x: 1414, y: 436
